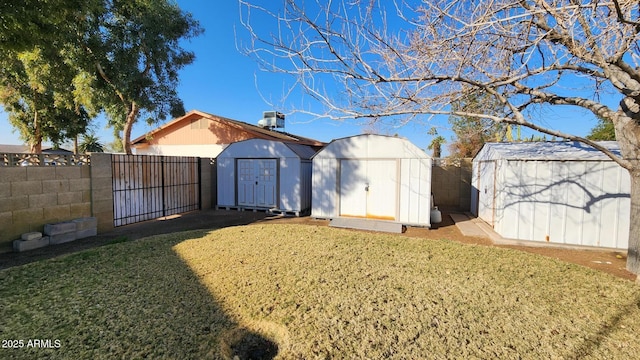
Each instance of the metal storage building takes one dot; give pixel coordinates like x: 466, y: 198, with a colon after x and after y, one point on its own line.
x: 372, y: 177
x: 265, y: 174
x: 557, y: 192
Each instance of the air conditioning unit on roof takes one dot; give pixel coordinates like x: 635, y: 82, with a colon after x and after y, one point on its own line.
x: 271, y: 120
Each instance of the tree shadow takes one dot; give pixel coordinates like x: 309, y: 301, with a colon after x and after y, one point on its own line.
x: 593, y: 342
x: 581, y: 203
x: 133, y: 300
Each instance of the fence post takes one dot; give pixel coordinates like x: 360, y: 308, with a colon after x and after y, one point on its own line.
x: 102, y: 190
x: 206, y: 186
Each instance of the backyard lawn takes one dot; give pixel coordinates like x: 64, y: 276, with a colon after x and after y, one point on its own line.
x: 308, y: 292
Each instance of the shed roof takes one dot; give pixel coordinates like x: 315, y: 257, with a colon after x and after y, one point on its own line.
x: 547, y: 150
x: 371, y: 146
x: 267, y: 148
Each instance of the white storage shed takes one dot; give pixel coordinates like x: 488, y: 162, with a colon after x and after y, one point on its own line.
x: 557, y: 192
x: 266, y: 175
x: 372, y: 177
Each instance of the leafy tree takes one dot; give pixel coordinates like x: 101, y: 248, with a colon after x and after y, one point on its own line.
x: 90, y: 143
x: 472, y: 132
x: 389, y: 59
x: 604, y: 130
x: 436, y: 143
x: 37, y: 89
x: 121, y: 57
x: 134, y: 47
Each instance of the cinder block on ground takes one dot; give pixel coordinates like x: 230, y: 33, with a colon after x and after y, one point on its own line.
x: 31, y: 236
x: 85, y: 223
x: 26, y: 245
x: 62, y: 238
x: 60, y: 228
x: 81, y: 234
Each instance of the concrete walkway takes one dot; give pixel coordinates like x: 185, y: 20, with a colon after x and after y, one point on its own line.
x: 467, y: 226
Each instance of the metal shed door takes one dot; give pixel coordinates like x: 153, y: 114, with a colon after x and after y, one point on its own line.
x: 257, y: 182
x: 368, y: 189
x: 486, y: 187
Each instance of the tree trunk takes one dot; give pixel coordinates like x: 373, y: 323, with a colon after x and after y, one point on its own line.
x: 126, y: 131
x: 36, y: 144
x: 627, y: 126
x: 633, y: 255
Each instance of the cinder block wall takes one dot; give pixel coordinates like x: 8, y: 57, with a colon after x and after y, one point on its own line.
x: 102, y: 191
x: 451, y: 184
x: 32, y: 196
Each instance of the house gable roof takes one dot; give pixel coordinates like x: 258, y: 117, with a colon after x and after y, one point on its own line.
x: 254, y: 130
x: 25, y: 149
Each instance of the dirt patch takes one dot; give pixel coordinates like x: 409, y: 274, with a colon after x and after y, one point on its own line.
x: 607, y: 261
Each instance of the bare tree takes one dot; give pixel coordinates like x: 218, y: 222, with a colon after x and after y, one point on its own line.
x: 377, y: 59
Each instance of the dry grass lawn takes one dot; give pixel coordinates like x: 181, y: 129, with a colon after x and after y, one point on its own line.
x: 316, y: 292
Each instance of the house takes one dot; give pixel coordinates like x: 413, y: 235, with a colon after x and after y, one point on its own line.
x: 202, y: 134
x: 20, y: 155
x: 25, y: 149
x: 552, y: 192
x: 372, y: 177
x: 265, y: 174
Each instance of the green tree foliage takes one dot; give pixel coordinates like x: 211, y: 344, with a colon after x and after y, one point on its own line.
x: 134, y: 46
x: 90, y: 143
x: 471, y: 132
x: 62, y: 61
x: 604, y: 130
x: 38, y: 90
x: 436, y: 143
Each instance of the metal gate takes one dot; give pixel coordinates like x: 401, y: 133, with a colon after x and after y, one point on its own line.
x: 147, y: 187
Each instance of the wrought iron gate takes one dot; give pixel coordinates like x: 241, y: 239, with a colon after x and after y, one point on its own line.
x: 147, y: 187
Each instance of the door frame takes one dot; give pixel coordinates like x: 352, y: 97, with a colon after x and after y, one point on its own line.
x: 276, y: 183
x: 396, y: 212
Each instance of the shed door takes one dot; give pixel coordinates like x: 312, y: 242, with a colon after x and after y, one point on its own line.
x: 486, y: 187
x: 368, y: 189
x: 257, y: 182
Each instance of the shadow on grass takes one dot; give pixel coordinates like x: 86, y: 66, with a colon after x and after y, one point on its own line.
x: 205, y: 219
x: 129, y: 300
x: 594, y: 341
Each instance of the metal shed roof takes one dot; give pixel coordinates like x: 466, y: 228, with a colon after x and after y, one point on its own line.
x: 267, y: 148
x: 546, y: 150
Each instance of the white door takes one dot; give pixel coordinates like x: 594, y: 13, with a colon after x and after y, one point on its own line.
x: 368, y: 189
x: 486, y: 187
x: 266, y: 184
x: 257, y: 182
x: 246, y: 183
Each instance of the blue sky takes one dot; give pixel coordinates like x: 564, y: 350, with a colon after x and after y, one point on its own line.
x: 224, y: 82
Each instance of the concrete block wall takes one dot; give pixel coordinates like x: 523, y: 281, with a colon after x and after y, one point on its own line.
x: 451, y: 184
x: 102, y: 190
x: 32, y: 196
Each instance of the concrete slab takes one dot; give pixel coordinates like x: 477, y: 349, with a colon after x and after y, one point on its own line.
x: 85, y: 223
x: 367, y: 224
x: 81, y: 234
x: 60, y: 228
x: 26, y: 245
x: 62, y: 238
x: 31, y: 236
x: 466, y: 226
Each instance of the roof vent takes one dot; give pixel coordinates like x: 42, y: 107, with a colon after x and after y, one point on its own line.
x: 271, y: 120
